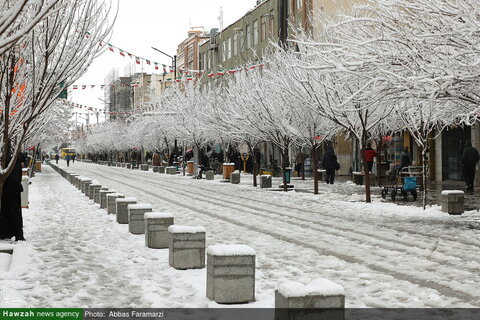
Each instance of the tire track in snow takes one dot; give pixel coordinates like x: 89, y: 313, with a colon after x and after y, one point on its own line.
x: 443, y: 289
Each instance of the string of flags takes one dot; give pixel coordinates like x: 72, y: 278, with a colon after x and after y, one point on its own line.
x: 95, y: 110
x: 138, y: 59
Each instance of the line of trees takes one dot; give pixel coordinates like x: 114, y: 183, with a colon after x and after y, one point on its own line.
x: 44, y: 47
x: 380, y: 67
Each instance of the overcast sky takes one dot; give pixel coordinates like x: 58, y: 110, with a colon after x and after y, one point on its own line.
x: 142, y: 24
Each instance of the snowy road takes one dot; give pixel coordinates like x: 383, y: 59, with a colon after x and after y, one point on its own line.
x: 383, y: 254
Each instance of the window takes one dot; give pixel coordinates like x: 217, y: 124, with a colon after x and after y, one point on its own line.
x: 255, y: 32
x: 249, y: 36
x: 235, y: 44
x: 203, y: 62
x: 229, y: 54
x: 263, y: 28
x: 209, y: 65
x: 271, y: 27
x: 224, y: 50
x: 241, y: 42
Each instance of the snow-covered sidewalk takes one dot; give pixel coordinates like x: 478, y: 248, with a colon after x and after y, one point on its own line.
x: 384, y: 255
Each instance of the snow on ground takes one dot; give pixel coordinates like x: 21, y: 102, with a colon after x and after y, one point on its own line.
x: 384, y: 255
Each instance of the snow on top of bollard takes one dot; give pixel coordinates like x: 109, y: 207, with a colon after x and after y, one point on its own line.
x: 186, y: 229
x: 229, y: 164
x: 322, y: 287
x: 230, y: 250
x: 126, y: 200
x: 95, y: 182
x: 447, y: 192
x: 106, y: 191
x: 158, y: 215
x: 266, y: 175
x: 139, y: 206
x: 114, y: 195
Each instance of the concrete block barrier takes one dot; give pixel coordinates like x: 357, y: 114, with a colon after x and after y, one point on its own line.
x: 136, y: 219
x: 453, y: 201
x: 96, y: 194
x: 161, y: 169
x: 171, y: 170
x: 122, y: 210
x: 155, y: 169
x: 186, y: 247
x: 91, y: 189
x: 210, y: 175
x: 235, y: 177
x: 156, y: 229
x: 265, y: 181
x: 144, y: 167
x: 103, y: 198
x: 230, y: 273
x: 322, y: 299
x: 111, y: 202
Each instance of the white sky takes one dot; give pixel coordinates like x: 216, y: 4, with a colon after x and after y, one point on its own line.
x: 142, y: 24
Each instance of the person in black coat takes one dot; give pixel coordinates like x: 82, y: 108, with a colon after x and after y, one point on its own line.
x: 329, y: 163
x: 56, y: 158
x: 11, y: 221
x: 470, y: 158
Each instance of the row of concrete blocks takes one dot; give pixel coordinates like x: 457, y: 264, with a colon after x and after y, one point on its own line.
x: 230, y: 268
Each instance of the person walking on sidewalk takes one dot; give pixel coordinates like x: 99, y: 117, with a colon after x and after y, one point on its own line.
x: 329, y: 163
x: 470, y: 158
x: 67, y: 158
x: 369, y: 155
x: 56, y: 158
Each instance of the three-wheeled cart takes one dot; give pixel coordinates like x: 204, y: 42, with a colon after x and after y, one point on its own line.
x: 405, y: 183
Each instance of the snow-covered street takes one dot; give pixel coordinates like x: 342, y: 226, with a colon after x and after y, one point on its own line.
x: 384, y: 255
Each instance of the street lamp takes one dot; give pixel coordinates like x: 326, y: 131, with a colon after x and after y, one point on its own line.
x: 174, y: 62
x: 174, y: 65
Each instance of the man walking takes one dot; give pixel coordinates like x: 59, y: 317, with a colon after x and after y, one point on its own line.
x: 469, y: 161
x: 56, y: 158
x: 370, y: 154
x: 67, y: 158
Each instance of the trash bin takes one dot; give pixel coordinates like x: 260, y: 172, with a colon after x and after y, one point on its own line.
x: 38, y: 166
x: 288, y: 174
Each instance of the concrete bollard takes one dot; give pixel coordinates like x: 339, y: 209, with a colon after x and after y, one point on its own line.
x: 156, y: 229
x: 129, y: 166
x: 235, y: 177
x: 91, y: 189
x: 210, y: 175
x: 144, y: 167
x: 124, y: 165
x: 453, y: 201
x: 103, y: 198
x: 72, y: 178
x: 265, y: 181
x: 155, y: 169
x: 96, y: 194
x: 321, y: 298
x: 230, y: 273
x: 111, y: 202
x: 85, y: 186
x: 161, y: 169
x: 136, y: 220
x: 358, y: 178
x: 171, y: 170
x: 122, y: 210
x: 186, y: 247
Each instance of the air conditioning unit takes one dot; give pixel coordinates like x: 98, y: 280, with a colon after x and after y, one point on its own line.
x: 213, y: 43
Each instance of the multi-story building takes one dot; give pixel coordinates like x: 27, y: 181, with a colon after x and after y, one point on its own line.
x: 119, y: 97
x: 188, y: 52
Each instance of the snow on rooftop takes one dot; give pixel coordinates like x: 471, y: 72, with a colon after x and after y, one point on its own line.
x: 317, y: 287
x: 229, y: 164
x: 447, y: 192
x: 157, y: 215
x: 139, y: 206
x: 230, y: 250
x: 186, y: 229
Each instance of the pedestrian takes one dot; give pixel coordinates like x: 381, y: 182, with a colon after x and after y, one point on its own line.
x: 73, y: 157
x: 330, y: 164
x: 67, y: 158
x: 299, y: 163
x: 56, y: 158
x: 11, y: 221
x: 405, y: 162
x: 156, y: 159
x: 369, y: 154
x: 470, y: 158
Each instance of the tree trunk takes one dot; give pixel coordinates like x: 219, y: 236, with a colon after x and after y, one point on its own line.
x: 424, y: 177
x: 284, y: 169
x: 315, y: 169
x: 365, y: 169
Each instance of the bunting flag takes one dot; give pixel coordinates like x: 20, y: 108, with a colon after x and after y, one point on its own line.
x: 110, y: 47
x: 75, y: 87
x: 148, y: 61
x: 137, y: 60
x: 135, y: 84
x: 164, y: 68
x: 211, y: 74
x: 122, y: 53
x: 156, y: 65
x: 189, y: 77
x: 220, y: 72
